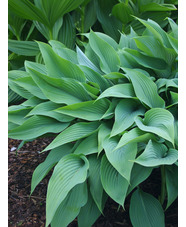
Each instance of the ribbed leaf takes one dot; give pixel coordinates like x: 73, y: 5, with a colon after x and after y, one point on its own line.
x: 145, y: 210
x: 27, y: 10
x: 120, y: 91
x: 109, y: 60
x: 71, y: 205
x: 135, y: 135
x: 156, y: 31
x: 34, y: 101
x: 51, y: 160
x: 171, y: 174
x: 157, y: 7
x: 73, y: 133
x: 27, y: 48
x: 64, y: 52
x: 145, y: 88
x: 89, y: 213
x: 67, y: 33
x: 94, y: 179
x: 109, y: 23
x: 37, y: 126
x: 125, y: 114
x: 29, y: 84
x: 84, y: 60
x: 95, y: 77
x: 113, y: 183
x: 13, y: 98
x: 104, y: 131
x: 158, y: 121
x: 70, y: 171
x: 55, y: 9
x: 47, y: 109
x: 12, y: 76
x: 90, y: 111
x: 58, y: 67
x: 120, y: 158
x: 60, y: 90
x: 106, y: 38
x: 138, y: 175
x: 147, y: 61
x: 16, y: 114
x: 88, y: 146
x: 156, y: 154
x: 123, y: 12
x: 154, y: 48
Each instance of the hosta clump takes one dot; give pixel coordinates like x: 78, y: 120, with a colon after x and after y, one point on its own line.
x: 117, y: 103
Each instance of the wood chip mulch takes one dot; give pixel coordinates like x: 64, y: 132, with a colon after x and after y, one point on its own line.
x: 26, y: 210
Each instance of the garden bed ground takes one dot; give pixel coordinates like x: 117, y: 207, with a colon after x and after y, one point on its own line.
x: 26, y: 210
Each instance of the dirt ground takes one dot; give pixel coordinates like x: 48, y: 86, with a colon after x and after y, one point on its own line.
x: 26, y: 210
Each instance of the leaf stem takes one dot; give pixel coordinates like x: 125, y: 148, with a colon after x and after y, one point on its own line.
x: 82, y: 21
x: 50, y: 34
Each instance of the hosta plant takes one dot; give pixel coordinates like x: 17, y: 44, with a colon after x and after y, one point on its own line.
x: 62, y: 20
x: 112, y: 110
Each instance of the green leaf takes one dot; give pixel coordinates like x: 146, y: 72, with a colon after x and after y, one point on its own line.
x: 88, y: 146
x: 90, y: 111
x: 103, y: 132
x: 145, y: 88
x: 109, y: 23
x: 12, y: 76
x: 16, y: 114
x: 73, y: 133
x: 84, y: 60
x: 58, y: 67
x: 156, y: 154
x: 113, y: 183
x: 135, y: 135
x: 157, y: 7
x: 89, y: 213
x: 55, y: 9
x: 123, y: 12
x: 109, y: 60
x: 154, y: 48
x: 60, y: 90
x: 138, y: 175
x: 13, y: 98
x: 95, y: 77
x: 145, y: 210
x: 71, y: 205
x: 125, y: 114
x: 120, y: 158
x: 171, y: 174
x: 120, y: 91
x: 157, y: 32
x: 64, y: 52
x: 25, y: 9
x: 47, y: 109
x: 37, y: 126
x: 51, y: 160
x: 70, y: 171
x: 94, y: 179
x: 29, y: 84
x: 67, y: 33
x: 146, y: 61
x: 174, y: 28
x: 27, y: 48
x: 158, y: 121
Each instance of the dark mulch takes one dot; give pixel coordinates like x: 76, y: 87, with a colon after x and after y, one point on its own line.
x: 26, y: 210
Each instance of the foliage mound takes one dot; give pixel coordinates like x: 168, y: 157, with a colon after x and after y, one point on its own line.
x: 112, y: 110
